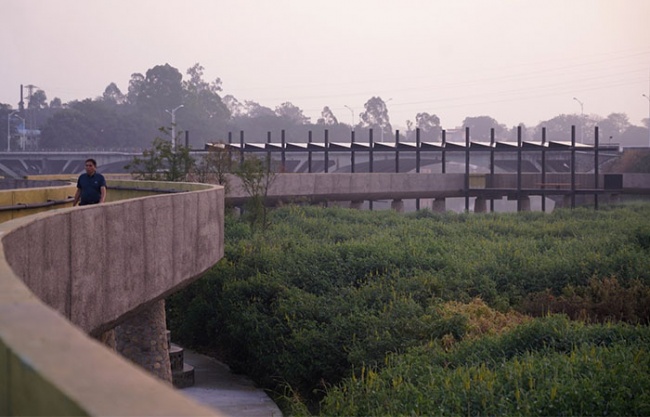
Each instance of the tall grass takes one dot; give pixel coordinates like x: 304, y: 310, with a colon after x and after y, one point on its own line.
x: 324, y: 294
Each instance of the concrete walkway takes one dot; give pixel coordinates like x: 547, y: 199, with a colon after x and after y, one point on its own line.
x: 227, y: 393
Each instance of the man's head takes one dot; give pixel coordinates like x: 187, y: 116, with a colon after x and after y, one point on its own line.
x: 91, y: 166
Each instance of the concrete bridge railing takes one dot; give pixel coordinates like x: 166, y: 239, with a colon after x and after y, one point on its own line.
x: 71, y: 273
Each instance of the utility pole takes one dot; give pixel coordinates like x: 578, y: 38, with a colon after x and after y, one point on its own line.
x: 21, y: 104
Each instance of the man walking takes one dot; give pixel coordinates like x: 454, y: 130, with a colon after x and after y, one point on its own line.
x: 91, y: 186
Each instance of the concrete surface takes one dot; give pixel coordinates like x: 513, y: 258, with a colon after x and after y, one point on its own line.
x: 118, y: 258
x: 225, y: 392
x: 98, y: 264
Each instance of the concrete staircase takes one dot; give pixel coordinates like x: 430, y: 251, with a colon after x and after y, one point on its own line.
x: 182, y: 373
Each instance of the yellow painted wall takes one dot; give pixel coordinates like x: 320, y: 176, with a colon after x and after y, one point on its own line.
x: 135, y: 189
x: 33, y: 196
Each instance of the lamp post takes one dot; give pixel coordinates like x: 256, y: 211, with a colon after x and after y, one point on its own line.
x: 23, y: 135
x: 582, y: 121
x: 648, y: 98
x: 173, y: 113
x: 9, y: 130
x: 351, y: 111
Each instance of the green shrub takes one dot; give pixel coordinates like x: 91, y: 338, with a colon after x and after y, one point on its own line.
x: 322, y: 293
x: 546, y: 367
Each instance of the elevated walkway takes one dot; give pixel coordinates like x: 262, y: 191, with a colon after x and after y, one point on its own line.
x: 69, y: 274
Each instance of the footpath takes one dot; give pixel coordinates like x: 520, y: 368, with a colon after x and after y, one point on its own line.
x: 229, y: 394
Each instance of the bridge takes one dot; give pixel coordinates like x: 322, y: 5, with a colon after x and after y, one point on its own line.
x: 348, y: 156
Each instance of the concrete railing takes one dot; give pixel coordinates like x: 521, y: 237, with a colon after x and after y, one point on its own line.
x: 75, y: 272
x: 357, y: 186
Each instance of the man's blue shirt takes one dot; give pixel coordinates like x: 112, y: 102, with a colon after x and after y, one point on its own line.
x: 91, y: 188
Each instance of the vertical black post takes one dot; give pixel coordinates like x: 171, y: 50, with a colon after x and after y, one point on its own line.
x: 397, y: 151
x: 444, y: 146
x: 492, y: 146
x: 573, y: 166
x: 466, y: 168
x: 596, y: 184
x: 284, y: 147
x: 352, y: 151
x: 543, y: 169
x: 229, y: 152
x: 519, y: 168
x: 268, y: 148
x: 309, y: 140
x: 241, y: 147
x: 418, y: 144
x: 371, y: 151
x: 417, y: 160
x: 187, y: 138
x: 327, y: 148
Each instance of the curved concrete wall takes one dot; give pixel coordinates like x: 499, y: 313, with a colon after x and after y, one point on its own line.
x: 93, y: 267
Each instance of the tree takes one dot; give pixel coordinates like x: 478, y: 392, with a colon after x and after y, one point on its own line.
x: 559, y: 127
x: 92, y: 124
x: 162, y: 162
x: 254, y: 109
x: 56, y: 103
x: 479, y: 127
x: 327, y: 117
x: 429, y: 125
x: 205, y: 112
x: 160, y: 89
x: 256, y: 178
x: 136, y: 84
x: 291, y: 114
x: 68, y: 129
x: 634, y: 136
x: 613, y: 126
x: 236, y: 108
x: 202, y: 98
x: 38, y: 100
x: 376, y: 116
x: 113, y: 95
x: 214, y: 165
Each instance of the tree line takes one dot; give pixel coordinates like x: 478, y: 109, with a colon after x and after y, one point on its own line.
x: 128, y: 120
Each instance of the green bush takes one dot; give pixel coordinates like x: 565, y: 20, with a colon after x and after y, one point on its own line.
x: 323, y: 293
x: 545, y: 367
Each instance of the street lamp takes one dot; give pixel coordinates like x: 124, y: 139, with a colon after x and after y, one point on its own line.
x: 173, y: 113
x: 23, y: 135
x: 648, y: 98
x: 351, y: 111
x: 9, y: 130
x: 582, y: 121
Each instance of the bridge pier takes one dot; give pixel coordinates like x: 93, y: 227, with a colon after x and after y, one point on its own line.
x: 523, y: 203
x: 356, y: 204
x: 397, y: 205
x: 143, y: 339
x: 439, y: 205
x: 480, y: 205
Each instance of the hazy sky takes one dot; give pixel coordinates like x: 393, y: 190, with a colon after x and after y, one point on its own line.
x: 516, y: 61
